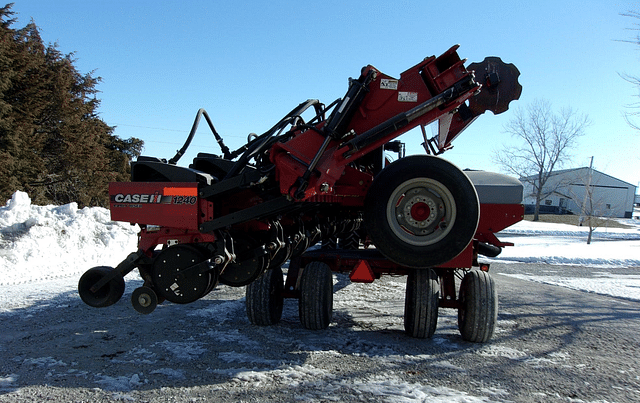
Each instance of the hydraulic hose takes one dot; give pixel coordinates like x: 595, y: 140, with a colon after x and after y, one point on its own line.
x: 180, y: 153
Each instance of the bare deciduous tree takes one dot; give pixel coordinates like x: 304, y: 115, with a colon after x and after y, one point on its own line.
x: 547, y: 138
x: 635, y: 80
x: 594, y: 209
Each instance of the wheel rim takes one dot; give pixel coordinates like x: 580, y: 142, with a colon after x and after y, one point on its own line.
x: 421, y: 211
x: 144, y: 300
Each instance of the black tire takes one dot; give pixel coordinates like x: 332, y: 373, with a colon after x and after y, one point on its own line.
x: 107, y: 295
x: 264, y: 300
x: 421, y: 303
x: 350, y: 241
x: 315, y: 307
x: 329, y: 243
x: 479, y: 312
x: 144, y: 300
x: 421, y: 211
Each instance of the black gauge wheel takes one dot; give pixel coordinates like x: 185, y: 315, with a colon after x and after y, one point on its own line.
x: 105, y: 296
x: 144, y: 300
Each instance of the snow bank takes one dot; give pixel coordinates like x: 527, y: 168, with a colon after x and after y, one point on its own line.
x: 48, y: 242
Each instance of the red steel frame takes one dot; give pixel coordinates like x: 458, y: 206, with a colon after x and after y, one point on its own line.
x: 334, y: 181
x: 365, y: 266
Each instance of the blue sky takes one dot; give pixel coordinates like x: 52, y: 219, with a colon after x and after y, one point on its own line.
x: 250, y: 62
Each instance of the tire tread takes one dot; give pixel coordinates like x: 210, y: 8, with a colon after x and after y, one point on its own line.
x: 316, y: 296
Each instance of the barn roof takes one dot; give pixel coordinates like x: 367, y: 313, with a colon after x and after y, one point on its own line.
x: 568, y: 171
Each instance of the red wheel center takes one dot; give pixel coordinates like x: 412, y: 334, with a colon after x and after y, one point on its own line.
x: 420, y: 211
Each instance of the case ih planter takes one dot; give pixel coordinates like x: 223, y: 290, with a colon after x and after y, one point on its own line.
x: 237, y: 218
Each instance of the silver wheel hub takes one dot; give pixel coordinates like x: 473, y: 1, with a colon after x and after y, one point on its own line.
x: 421, y: 211
x: 144, y: 300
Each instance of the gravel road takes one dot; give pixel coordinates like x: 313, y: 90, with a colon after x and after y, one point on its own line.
x: 552, y: 345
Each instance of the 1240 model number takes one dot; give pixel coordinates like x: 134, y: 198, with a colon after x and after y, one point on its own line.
x: 184, y: 200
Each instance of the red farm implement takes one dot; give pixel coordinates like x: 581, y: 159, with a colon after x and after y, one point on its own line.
x: 237, y: 218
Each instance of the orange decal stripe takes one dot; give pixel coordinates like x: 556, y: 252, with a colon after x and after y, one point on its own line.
x: 180, y: 191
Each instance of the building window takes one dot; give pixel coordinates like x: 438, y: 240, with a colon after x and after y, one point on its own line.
x: 608, y: 207
x: 548, y: 202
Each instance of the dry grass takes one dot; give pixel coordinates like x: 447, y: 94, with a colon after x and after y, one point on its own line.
x: 573, y: 220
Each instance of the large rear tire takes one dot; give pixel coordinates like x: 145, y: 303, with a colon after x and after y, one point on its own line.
x: 421, y: 211
x: 479, y: 312
x: 421, y: 303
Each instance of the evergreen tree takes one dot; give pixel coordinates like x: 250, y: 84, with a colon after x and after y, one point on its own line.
x: 53, y: 145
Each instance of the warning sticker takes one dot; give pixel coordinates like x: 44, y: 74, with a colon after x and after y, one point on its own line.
x: 407, y: 96
x: 388, y: 84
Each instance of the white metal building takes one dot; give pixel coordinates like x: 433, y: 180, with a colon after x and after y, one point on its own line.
x: 566, y: 193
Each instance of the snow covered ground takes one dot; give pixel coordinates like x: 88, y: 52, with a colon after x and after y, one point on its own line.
x: 561, y: 244
x: 45, y: 249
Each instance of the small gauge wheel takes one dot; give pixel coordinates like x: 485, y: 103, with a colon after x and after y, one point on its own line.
x: 144, y: 300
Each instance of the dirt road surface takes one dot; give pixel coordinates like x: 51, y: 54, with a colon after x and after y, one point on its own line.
x: 551, y: 345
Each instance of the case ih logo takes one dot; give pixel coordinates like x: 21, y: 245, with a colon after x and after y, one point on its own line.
x: 140, y: 198
x: 170, y: 196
